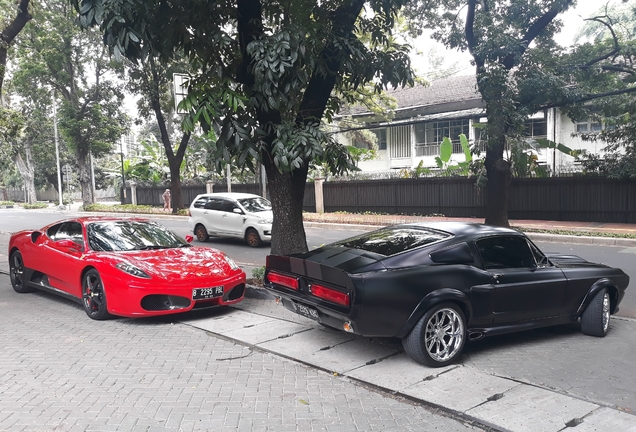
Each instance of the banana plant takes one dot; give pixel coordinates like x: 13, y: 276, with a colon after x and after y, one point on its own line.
x: 445, y: 153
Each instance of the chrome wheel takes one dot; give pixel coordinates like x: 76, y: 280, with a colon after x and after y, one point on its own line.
x: 438, y: 337
x: 444, y: 335
x: 595, y: 319
x: 606, y: 312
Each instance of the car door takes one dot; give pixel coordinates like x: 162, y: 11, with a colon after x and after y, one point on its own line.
x: 61, y: 251
x: 231, y: 221
x: 525, y: 285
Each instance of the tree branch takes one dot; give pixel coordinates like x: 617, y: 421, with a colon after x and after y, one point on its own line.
x: 534, y: 30
x: 614, y: 38
x: 470, y: 33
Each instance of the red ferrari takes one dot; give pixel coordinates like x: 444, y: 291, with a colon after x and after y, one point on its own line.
x: 124, y: 267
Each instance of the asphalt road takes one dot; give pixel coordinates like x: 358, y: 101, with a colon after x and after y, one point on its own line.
x: 12, y: 220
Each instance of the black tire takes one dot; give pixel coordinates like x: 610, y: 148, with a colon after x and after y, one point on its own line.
x: 16, y: 273
x: 94, y: 296
x: 252, y: 238
x: 201, y: 233
x: 596, y: 316
x: 438, y: 337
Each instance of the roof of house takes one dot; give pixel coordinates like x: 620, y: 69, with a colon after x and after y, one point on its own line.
x: 446, y: 94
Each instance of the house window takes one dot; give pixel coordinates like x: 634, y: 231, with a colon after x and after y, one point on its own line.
x: 428, y: 136
x: 381, y: 134
x: 400, y: 137
x: 535, y: 128
x: 589, y: 126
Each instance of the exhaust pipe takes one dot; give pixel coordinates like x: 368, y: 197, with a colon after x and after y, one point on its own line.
x: 473, y: 336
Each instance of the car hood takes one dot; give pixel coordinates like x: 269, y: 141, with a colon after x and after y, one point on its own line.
x: 569, y: 261
x: 267, y: 214
x: 179, y: 264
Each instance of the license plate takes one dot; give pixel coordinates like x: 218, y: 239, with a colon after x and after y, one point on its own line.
x: 207, y: 293
x: 306, y: 311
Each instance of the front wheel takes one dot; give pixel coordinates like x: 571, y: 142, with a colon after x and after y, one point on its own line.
x: 16, y: 273
x: 438, y: 337
x: 252, y: 238
x: 94, y: 296
x: 596, y: 316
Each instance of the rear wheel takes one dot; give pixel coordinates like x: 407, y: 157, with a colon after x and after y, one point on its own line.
x: 16, y: 272
x: 94, y: 296
x: 201, y: 233
x: 438, y: 337
x: 596, y: 316
x: 252, y: 238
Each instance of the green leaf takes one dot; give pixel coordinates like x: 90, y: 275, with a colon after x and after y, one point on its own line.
x: 445, y: 149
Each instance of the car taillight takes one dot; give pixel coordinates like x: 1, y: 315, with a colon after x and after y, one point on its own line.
x: 330, y: 294
x: 284, y: 280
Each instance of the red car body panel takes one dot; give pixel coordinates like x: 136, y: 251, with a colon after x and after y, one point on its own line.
x: 173, y: 272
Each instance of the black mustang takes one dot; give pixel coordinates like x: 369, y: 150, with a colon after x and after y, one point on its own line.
x: 435, y: 284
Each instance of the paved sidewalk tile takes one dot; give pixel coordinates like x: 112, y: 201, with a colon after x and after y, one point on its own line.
x: 530, y: 409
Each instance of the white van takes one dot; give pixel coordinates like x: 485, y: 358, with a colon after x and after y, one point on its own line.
x: 240, y: 215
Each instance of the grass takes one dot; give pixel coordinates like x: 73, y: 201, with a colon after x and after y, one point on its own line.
x: 130, y: 208
x: 34, y: 206
x: 6, y: 203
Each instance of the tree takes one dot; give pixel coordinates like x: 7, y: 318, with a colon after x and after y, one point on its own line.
x: 10, y: 26
x: 267, y: 72
x: 520, y: 70
x: 607, y: 29
x: 57, y: 55
x: 152, y: 79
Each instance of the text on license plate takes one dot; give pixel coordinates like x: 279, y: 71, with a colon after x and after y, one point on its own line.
x: 307, y: 311
x: 206, y: 293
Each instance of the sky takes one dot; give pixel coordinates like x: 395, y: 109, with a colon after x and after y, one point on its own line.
x: 573, y: 20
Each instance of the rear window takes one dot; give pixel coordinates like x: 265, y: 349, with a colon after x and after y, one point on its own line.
x: 393, y: 240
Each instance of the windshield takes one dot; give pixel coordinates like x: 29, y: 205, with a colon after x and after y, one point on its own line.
x: 393, y: 240
x: 131, y: 235
x: 256, y: 204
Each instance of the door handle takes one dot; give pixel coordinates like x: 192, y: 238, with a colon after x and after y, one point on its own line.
x: 496, y: 276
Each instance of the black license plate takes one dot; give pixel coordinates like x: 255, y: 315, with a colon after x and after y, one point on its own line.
x: 207, y: 293
x: 306, y: 311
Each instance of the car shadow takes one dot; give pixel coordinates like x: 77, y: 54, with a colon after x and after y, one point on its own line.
x: 516, y: 339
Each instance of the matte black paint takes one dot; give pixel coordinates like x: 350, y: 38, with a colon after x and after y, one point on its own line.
x: 391, y: 293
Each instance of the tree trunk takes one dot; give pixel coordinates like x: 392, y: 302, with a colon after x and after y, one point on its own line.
x: 8, y: 35
x: 493, y: 90
x: 27, y: 172
x: 84, y: 175
x: 498, y: 186
x: 287, y: 192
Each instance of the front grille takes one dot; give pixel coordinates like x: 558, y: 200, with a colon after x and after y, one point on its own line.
x: 157, y: 302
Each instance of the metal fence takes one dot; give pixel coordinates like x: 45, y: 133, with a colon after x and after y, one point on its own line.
x: 585, y: 199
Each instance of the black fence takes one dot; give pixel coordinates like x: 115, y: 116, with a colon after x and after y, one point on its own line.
x: 585, y: 199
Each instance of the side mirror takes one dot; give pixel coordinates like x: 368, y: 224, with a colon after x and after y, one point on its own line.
x: 189, y: 238
x: 237, y: 210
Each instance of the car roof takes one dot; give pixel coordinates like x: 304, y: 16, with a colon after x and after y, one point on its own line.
x: 89, y: 219
x: 460, y: 229
x: 234, y: 195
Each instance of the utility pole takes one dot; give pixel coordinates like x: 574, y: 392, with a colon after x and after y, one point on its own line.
x: 57, y: 151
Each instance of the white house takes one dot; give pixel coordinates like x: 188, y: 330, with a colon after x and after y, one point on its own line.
x: 448, y: 108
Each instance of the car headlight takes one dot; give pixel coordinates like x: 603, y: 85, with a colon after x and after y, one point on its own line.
x: 132, y: 270
x: 265, y: 221
x: 231, y: 262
